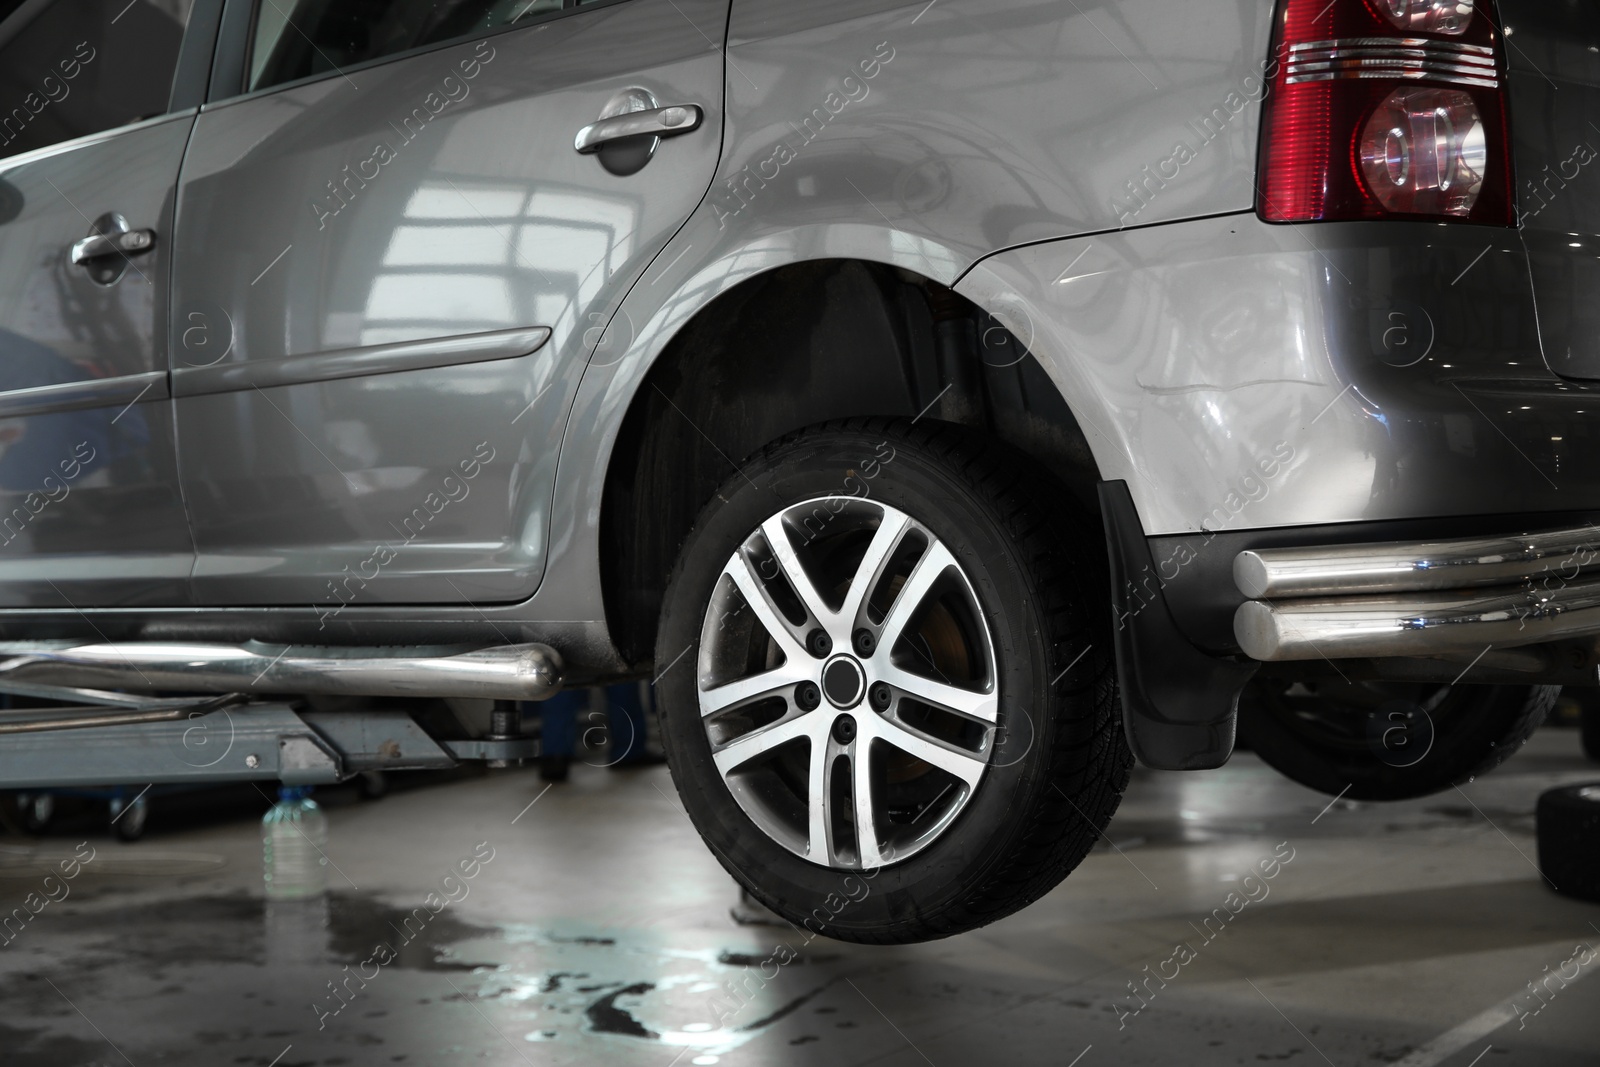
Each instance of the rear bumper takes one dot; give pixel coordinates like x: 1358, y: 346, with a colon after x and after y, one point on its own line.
x: 1303, y: 387
x: 1460, y: 596
x: 1446, y: 601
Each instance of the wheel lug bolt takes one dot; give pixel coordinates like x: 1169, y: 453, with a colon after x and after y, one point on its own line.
x: 865, y: 642
x: 880, y: 696
x: 844, y: 729
x: 818, y: 643
x: 807, y: 695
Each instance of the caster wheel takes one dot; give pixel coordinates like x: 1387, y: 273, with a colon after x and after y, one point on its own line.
x: 37, y: 811
x: 371, y: 785
x: 128, y: 820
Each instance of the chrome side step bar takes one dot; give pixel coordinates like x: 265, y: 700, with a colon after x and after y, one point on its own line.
x: 506, y: 672
x: 1421, y: 599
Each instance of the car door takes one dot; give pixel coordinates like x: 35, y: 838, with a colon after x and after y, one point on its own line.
x: 397, y: 262
x: 93, y: 122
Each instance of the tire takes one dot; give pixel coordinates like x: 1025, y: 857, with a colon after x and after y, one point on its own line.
x: 1568, y: 822
x: 1388, y: 741
x: 1016, y: 622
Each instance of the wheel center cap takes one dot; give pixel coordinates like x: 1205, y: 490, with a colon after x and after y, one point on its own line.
x: 843, y: 682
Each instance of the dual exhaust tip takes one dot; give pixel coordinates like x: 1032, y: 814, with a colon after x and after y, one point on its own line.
x: 1431, y: 598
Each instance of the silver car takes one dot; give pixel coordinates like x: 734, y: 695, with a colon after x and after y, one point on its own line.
x: 942, y: 403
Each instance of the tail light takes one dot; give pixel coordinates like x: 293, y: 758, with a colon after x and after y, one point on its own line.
x: 1386, y: 109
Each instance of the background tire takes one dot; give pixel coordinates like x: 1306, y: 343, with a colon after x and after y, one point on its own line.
x: 1055, y: 763
x: 1568, y: 822
x: 1383, y: 741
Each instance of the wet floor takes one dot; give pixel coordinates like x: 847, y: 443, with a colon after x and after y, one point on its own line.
x: 466, y: 926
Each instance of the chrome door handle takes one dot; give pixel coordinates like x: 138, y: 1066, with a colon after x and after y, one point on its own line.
x: 657, y: 122
x: 101, y: 245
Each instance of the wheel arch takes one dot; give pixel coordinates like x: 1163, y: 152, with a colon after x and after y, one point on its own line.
x: 793, y: 346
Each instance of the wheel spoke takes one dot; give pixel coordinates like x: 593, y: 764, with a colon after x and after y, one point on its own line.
x: 783, y: 551
x: 968, y: 703
x: 864, y: 798
x: 934, y: 562
x: 755, y: 595
x: 889, y: 532
x: 963, y: 765
x: 748, y: 690
x: 819, y: 802
x: 742, y: 750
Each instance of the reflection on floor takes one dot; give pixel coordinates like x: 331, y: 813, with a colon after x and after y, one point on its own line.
x: 593, y: 928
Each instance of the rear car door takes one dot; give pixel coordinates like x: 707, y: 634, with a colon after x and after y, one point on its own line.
x: 94, y: 115
x: 397, y: 262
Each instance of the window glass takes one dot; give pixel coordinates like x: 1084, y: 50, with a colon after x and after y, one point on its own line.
x: 297, y: 38
x: 77, y: 67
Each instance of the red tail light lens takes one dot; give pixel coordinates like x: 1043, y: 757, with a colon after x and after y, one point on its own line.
x: 1385, y: 109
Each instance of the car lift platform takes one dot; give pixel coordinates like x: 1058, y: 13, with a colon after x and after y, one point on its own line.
x: 117, y: 739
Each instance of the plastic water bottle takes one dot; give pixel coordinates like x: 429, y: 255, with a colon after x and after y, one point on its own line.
x: 294, y: 838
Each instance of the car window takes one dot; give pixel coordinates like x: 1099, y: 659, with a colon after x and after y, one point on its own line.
x: 294, y: 39
x: 76, y: 67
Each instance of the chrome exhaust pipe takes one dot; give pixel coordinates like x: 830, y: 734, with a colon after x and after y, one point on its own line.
x: 1420, y: 625
x: 504, y: 672
x: 1414, y: 566
x: 1427, y: 598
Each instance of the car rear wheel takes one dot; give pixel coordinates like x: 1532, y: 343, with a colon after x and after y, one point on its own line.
x: 1387, y: 741
x: 885, y: 684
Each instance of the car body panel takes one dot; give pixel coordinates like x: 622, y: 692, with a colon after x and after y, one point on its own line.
x: 1555, y: 96
x: 943, y: 135
x: 978, y: 126
x: 440, y: 202
x: 90, y: 511
x: 1083, y: 173
x: 1241, y: 374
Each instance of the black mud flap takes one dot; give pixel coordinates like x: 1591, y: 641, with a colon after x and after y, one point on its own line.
x: 1179, y: 704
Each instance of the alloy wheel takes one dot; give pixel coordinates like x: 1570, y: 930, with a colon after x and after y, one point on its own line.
x: 847, y: 682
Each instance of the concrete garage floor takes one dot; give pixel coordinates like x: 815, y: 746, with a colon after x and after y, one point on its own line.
x: 599, y: 933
